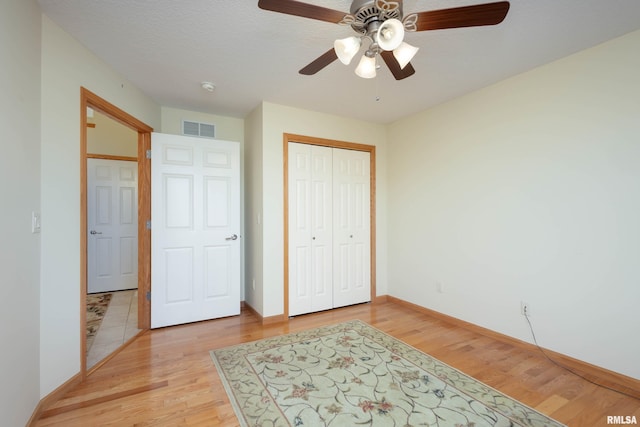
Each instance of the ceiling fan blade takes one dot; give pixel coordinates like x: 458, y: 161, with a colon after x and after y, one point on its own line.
x: 466, y: 16
x: 394, y: 67
x: 297, y: 8
x: 322, y: 61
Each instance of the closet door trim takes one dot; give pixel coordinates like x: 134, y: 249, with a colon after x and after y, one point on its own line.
x: 287, y: 138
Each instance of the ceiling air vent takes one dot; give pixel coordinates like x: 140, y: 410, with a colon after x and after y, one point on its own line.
x: 203, y: 130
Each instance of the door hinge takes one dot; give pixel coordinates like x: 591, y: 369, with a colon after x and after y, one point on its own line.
x: 148, y: 154
x: 149, y: 225
x: 148, y: 295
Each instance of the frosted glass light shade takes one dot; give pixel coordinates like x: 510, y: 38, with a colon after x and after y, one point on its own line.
x: 405, y: 53
x: 390, y: 34
x: 347, y: 48
x: 367, y: 67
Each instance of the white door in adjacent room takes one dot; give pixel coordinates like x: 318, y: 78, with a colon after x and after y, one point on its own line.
x: 195, y: 232
x: 112, y: 221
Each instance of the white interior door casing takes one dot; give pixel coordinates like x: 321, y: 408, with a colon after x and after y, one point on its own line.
x: 195, y: 233
x: 112, y: 221
x: 310, y: 222
x: 351, y: 228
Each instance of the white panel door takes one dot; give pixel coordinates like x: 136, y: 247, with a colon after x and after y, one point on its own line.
x: 112, y: 221
x: 310, y: 228
x: 195, y: 213
x: 351, y: 228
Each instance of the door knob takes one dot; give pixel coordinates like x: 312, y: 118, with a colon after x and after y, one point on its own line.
x: 95, y: 232
x: 234, y: 237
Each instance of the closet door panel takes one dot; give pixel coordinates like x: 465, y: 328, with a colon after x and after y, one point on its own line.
x: 351, y: 234
x: 310, y: 225
x: 299, y: 229
x: 322, y: 226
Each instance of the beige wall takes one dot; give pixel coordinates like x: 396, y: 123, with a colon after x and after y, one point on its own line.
x: 253, y: 188
x: 20, y: 195
x: 227, y: 128
x: 109, y: 137
x: 66, y: 66
x: 276, y: 120
x: 528, y: 190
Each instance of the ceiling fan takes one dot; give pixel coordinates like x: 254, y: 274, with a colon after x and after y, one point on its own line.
x: 382, y: 23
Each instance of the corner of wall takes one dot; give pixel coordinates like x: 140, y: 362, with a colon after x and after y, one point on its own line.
x: 253, y: 194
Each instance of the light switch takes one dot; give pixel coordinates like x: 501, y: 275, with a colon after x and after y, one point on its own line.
x: 35, y: 222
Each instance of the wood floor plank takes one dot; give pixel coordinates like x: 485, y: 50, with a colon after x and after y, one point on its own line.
x: 184, y: 389
x: 105, y: 398
x: 551, y: 404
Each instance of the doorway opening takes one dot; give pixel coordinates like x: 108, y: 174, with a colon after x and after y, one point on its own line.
x: 91, y: 103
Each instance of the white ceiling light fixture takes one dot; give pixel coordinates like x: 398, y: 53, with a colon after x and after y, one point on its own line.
x: 367, y: 66
x: 208, y: 86
x: 380, y: 22
x: 347, y: 48
x: 405, y: 53
x: 390, y: 34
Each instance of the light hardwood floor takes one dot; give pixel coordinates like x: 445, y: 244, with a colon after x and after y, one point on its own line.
x: 166, y: 376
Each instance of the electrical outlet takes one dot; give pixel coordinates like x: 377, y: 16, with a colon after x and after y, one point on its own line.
x: 525, y: 310
x: 439, y: 287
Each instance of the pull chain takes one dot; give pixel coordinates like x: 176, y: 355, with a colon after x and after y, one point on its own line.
x: 377, y: 81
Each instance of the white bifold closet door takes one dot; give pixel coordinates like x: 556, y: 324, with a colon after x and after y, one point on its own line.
x: 329, y: 228
x: 351, y: 228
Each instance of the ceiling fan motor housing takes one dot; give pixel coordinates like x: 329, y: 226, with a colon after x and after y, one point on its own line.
x: 367, y: 12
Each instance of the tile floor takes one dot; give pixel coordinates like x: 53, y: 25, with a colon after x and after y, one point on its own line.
x: 119, y: 324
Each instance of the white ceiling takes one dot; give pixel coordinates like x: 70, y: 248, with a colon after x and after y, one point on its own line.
x: 167, y: 47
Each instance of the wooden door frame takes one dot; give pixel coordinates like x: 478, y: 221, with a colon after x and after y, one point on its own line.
x: 309, y: 140
x: 90, y: 99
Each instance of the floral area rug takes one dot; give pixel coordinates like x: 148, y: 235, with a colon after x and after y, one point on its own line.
x: 352, y: 374
x: 97, y: 305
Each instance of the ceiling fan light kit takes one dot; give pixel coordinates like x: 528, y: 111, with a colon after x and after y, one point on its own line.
x: 347, y: 48
x: 405, y: 53
x: 390, y: 34
x: 383, y: 23
x: 366, y: 67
